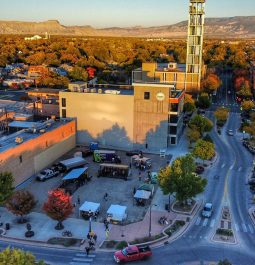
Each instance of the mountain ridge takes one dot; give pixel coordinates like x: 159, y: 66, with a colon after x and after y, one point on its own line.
x: 222, y: 27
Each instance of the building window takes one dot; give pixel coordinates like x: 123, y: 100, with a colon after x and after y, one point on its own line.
x: 63, y: 113
x: 20, y: 159
x: 173, y: 119
x: 63, y: 102
x: 147, y: 95
x: 172, y: 130
x: 174, y: 107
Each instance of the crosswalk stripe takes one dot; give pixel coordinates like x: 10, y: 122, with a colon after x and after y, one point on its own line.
x: 239, y: 169
x: 84, y: 255
x: 83, y: 259
x: 251, y: 229
x: 198, y: 220
x: 244, y: 228
x: 237, y: 227
x: 212, y: 223
x: 78, y: 263
x: 205, y: 222
x: 231, y: 167
x: 223, y: 166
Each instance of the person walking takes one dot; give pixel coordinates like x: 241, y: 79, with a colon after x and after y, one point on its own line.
x: 78, y: 200
x: 95, y: 237
x: 87, y: 250
x: 106, y: 196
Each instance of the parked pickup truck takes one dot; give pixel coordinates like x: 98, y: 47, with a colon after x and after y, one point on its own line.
x: 132, y: 253
x: 46, y: 174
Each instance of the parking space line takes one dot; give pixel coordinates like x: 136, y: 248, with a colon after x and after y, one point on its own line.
x: 251, y: 229
x: 244, y: 228
x: 205, y: 222
x: 198, y: 220
x: 212, y: 223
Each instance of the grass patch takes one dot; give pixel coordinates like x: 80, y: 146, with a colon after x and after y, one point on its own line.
x: 181, y: 207
x: 66, y: 242
x: 224, y: 232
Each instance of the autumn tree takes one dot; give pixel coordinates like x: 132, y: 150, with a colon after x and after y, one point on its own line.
x: 221, y: 114
x: 58, y: 206
x: 247, y: 105
x: 6, y: 186
x: 36, y: 58
x: 193, y: 135
x: 244, y: 92
x: 204, y: 150
x: 78, y: 74
x: 13, y: 256
x: 201, y: 124
x: 21, y: 203
x: 211, y: 83
x: 189, y: 104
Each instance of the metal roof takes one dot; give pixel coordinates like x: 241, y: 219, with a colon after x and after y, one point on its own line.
x: 75, y: 173
x: 89, y: 206
x: 25, y: 124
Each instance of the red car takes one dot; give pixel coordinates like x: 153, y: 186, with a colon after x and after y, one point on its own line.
x: 132, y: 253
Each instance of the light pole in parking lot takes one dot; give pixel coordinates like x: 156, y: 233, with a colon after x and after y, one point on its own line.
x: 150, y: 219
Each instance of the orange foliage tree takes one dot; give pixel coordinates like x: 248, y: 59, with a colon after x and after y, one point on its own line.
x: 58, y: 206
x: 211, y: 83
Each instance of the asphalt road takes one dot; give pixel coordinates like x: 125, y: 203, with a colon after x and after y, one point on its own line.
x: 233, y: 165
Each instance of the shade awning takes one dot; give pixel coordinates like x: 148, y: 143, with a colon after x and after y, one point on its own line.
x: 75, y: 173
x: 89, y: 206
x: 142, y: 194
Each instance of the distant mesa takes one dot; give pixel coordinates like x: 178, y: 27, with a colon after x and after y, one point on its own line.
x: 225, y: 27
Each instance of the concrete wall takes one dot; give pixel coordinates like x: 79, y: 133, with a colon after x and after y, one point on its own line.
x: 105, y: 118
x: 151, y: 117
x: 20, y: 159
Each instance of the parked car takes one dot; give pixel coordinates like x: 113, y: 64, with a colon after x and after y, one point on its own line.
x: 200, y: 169
x: 207, y: 211
x: 134, y: 152
x: 230, y: 132
x: 251, y: 181
x: 132, y: 253
x: 46, y: 174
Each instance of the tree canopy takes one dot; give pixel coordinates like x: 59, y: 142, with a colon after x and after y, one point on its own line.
x: 201, y: 124
x: 6, y: 186
x: 204, y: 150
x: 211, y: 83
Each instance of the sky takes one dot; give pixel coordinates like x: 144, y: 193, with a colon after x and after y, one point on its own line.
x: 117, y: 13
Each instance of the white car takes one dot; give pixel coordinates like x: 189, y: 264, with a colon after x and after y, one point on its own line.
x: 207, y: 211
x: 46, y: 174
x: 230, y: 132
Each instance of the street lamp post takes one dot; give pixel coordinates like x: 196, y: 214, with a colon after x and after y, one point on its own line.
x: 243, y: 134
x: 90, y: 221
x: 150, y: 219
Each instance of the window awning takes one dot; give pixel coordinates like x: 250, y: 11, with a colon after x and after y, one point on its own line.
x: 75, y: 173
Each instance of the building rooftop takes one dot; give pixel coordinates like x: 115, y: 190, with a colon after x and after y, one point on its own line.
x: 14, y: 139
x: 45, y: 90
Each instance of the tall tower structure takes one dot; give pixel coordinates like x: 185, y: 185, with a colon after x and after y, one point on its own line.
x: 195, y: 45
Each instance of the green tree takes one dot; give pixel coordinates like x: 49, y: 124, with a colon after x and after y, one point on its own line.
x: 189, y: 104
x: 203, y: 101
x: 18, y: 257
x: 167, y: 181
x: 21, y: 203
x: 224, y: 262
x: 204, y: 150
x: 6, y: 186
x: 187, y: 184
x: 244, y: 92
x: 200, y: 123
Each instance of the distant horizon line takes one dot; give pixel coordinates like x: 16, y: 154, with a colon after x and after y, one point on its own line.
x: 105, y: 27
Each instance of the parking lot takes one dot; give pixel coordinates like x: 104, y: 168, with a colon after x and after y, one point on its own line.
x: 119, y: 191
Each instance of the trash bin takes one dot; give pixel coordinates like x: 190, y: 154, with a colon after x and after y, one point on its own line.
x: 7, y: 226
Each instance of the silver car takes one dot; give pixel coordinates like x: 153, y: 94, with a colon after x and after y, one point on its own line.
x: 207, y: 211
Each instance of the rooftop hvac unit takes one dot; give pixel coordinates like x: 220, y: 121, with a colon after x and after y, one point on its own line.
x: 18, y: 140
x: 100, y: 91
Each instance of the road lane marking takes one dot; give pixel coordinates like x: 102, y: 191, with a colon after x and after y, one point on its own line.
x: 223, y: 165
x: 205, y: 222
x: 85, y: 255
x: 244, y: 228
x: 251, y: 229
x: 237, y: 227
x: 198, y: 220
x: 239, y: 169
x: 231, y: 167
x: 212, y: 223
x: 82, y: 259
x: 79, y: 263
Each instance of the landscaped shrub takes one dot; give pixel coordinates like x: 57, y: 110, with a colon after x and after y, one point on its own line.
x: 121, y: 245
x: 224, y: 232
x: 111, y: 244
